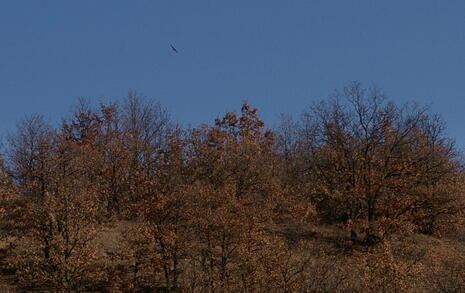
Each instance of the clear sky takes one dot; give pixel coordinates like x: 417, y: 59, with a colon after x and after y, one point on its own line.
x: 280, y: 55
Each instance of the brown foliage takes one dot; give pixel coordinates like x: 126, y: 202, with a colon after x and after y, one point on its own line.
x: 376, y: 165
x: 118, y: 198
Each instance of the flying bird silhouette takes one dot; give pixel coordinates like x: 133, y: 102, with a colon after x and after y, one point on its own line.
x: 173, y: 48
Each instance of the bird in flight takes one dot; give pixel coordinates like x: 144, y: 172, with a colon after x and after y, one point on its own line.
x: 173, y: 48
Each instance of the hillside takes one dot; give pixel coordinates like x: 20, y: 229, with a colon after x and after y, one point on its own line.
x: 359, y: 195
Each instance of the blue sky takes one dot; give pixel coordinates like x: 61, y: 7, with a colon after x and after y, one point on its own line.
x: 280, y: 55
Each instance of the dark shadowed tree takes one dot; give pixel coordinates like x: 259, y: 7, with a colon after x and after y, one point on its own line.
x: 369, y: 161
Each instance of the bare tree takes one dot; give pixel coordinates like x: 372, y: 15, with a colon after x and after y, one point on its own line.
x: 147, y: 126
x: 29, y: 151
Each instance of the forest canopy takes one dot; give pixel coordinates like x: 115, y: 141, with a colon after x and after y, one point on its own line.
x: 359, y: 194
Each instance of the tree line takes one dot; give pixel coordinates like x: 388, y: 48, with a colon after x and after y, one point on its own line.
x: 358, y: 195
